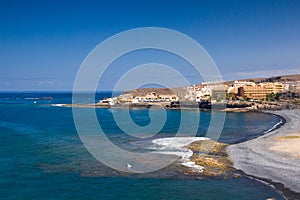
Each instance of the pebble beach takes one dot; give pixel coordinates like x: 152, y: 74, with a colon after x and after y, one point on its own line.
x: 275, y: 156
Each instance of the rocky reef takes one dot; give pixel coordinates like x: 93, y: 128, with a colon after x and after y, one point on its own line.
x: 213, y: 157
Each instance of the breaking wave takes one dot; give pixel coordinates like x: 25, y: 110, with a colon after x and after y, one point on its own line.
x: 178, y: 146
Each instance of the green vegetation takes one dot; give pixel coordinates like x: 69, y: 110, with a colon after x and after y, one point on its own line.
x: 297, y: 102
x: 230, y: 96
x: 246, y: 98
x: 271, y: 97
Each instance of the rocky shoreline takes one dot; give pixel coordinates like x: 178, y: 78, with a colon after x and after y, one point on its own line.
x: 228, y: 107
x: 212, y: 156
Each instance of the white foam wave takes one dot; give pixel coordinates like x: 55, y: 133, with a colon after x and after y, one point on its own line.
x: 58, y: 104
x: 176, y: 142
x: 274, y: 127
x: 177, y: 146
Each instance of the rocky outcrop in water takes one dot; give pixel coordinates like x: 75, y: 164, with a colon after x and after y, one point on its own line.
x: 213, y: 157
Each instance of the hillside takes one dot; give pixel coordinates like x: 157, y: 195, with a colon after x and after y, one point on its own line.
x: 283, y: 78
x: 182, y: 90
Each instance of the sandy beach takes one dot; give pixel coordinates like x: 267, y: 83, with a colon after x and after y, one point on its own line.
x: 274, y: 156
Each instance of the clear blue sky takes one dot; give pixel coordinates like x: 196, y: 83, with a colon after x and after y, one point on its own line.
x: 42, y: 43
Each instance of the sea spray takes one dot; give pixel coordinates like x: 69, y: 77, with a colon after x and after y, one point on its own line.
x: 177, y: 146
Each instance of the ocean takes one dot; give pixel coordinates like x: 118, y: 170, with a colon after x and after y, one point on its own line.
x: 42, y: 156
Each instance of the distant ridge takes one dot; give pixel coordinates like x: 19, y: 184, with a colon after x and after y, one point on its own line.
x: 162, y: 91
x: 283, y: 78
x: 144, y: 91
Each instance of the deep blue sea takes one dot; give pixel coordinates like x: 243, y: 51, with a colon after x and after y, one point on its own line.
x: 42, y: 157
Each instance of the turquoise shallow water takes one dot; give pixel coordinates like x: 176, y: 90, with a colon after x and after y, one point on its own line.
x: 42, y: 157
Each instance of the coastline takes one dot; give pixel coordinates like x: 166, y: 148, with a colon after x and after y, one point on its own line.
x: 255, y: 158
x: 273, y: 157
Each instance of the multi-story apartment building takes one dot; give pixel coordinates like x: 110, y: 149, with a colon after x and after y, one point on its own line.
x: 256, y: 91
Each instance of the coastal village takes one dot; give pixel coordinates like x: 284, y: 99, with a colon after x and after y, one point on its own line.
x: 251, y: 94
